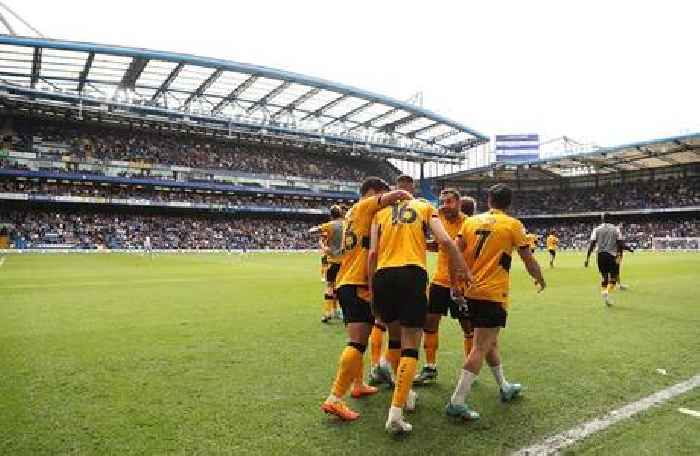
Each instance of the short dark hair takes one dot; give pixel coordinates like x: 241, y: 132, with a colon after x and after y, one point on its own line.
x: 468, y: 205
x: 373, y: 183
x: 604, y: 217
x: 336, y: 211
x: 450, y: 191
x: 404, y: 178
x: 500, y: 196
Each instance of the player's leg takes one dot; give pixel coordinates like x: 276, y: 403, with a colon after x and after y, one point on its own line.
x: 359, y: 319
x: 411, y: 308
x: 508, y: 391
x: 605, y: 270
x: 381, y: 369
x: 487, y: 318
x: 468, y: 332
x: 439, y: 301
x: 431, y: 343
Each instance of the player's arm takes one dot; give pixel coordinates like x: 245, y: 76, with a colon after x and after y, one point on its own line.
x: 432, y: 245
x: 532, y: 266
x: 591, y: 246
x: 459, y: 272
x: 387, y: 199
x: 372, y: 254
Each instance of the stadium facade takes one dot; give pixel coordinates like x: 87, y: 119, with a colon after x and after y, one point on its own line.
x: 142, y: 136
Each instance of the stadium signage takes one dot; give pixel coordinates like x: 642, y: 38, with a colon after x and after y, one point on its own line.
x: 517, y: 148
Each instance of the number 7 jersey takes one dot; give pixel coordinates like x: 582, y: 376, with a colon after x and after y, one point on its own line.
x: 490, y: 239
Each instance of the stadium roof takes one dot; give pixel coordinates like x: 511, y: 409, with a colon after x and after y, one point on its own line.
x: 646, y: 155
x: 239, y: 95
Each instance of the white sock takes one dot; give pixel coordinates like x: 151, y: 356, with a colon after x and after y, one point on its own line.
x: 431, y: 366
x: 395, y: 413
x: 498, y: 375
x: 464, y: 385
x: 332, y: 398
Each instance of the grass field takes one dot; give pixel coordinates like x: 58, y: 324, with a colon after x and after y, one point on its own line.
x: 205, y: 354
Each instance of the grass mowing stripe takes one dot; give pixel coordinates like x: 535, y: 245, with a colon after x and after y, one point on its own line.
x: 694, y: 413
x: 554, y: 444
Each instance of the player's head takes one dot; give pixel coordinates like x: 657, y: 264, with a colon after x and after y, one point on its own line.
x: 405, y: 182
x: 373, y: 186
x: 336, y: 211
x: 468, y: 205
x: 553, y: 233
x: 449, y: 202
x: 500, y: 196
x: 604, y: 217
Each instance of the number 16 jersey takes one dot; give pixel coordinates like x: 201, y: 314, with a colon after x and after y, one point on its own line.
x: 490, y: 239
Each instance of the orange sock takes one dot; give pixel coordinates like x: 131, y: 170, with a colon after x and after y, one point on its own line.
x: 404, y: 377
x: 360, y: 376
x: 430, y: 344
x: 376, y: 340
x: 327, y: 304
x: 348, y: 366
x: 393, y: 354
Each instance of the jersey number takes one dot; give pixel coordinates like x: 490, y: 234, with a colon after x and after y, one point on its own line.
x: 483, y: 234
x: 403, y: 214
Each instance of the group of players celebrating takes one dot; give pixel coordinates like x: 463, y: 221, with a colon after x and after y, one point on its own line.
x: 375, y: 257
x: 382, y: 283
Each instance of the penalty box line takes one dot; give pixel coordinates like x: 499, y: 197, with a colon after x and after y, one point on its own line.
x: 554, y: 444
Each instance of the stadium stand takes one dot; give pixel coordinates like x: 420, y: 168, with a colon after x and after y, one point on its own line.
x: 81, y: 142
x: 89, y: 229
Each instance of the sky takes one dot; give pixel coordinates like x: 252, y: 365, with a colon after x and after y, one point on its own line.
x: 603, y: 72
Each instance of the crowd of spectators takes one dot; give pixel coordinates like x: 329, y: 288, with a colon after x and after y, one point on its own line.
x: 631, y: 195
x: 160, y: 195
x: 37, y: 229
x: 638, y: 233
x: 83, y: 141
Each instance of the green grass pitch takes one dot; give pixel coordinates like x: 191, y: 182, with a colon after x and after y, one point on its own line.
x: 212, y: 354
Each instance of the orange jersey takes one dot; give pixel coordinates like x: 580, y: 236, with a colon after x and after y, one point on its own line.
x: 532, y: 240
x: 403, y: 229
x: 358, y: 221
x: 489, y: 242
x: 552, y: 242
x: 442, y: 271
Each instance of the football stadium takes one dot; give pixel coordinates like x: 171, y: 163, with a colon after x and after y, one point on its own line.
x: 202, y: 256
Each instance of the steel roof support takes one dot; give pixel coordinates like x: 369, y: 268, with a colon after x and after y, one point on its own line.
x: 203, y: 87
x: 392, y: 126
x: 269, y: 96
x: 36, y: 67
x: 369, y: 122
x: 234, y: 94
x: 412, y: 134
x: 298, y: 101
x: 86, y: 70
x: 325, y: 107
x: 169, y: 80
x: 442, y: 137
x: 132, y: 73
x: 350, y: 113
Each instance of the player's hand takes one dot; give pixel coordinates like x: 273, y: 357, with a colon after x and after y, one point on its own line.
x: 404, y: 195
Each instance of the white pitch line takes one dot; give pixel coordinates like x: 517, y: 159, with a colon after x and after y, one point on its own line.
x: 554, y: 444
x: 694, y: 413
